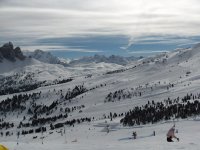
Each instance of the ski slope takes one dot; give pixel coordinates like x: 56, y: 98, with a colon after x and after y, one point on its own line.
x: 150, y: 76
x: 119, y: 138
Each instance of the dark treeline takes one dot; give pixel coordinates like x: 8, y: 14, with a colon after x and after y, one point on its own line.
x: 112, y: 115
x: 120, y: 70
x: 78, y: 90
x: 10, y: 86
x: 70, y: 123
x: 169, y: 109
x: 121, y: 94
x: 52, y: 127
x: 98, y: 86
x: 22, y: 88
x: 139, y: 91
x: 42, y: 109
x: 68, y: 110
x: 17, y: 102
x: 24, y: 132
x: 116, y: 71
x: 7, y: 133
x: 31, y: 131
x: 42, y: 121
x: 6, y: 125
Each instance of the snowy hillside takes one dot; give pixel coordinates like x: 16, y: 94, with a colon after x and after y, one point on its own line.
x: 100, y: 110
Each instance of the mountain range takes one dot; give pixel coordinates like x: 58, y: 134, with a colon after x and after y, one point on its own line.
x: 101, y: 58
x: 47, y: 57
x: 71, y: 107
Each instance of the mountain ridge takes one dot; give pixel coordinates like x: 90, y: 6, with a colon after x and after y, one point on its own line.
x: 120, y: 60
x: 43, y: 56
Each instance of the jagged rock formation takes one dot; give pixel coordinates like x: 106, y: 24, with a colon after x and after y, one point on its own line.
x: 45, y: 57
x: 7, y: 51
x: 18, y: 53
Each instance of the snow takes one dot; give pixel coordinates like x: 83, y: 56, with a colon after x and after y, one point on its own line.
x: 11, y: 67
x: 120, y: 138
x: 151, y: 76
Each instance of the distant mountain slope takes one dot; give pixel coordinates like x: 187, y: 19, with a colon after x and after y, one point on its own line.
x: 45, y: 57
x: 13, y: 61
x: 101, y: 58
x: 46, y: 66
x: 85, y: 65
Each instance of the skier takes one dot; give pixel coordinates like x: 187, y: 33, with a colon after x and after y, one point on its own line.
x: 107, y: 128
x: 171, y: 134
x: 134, y: 135
x: 154, y: 133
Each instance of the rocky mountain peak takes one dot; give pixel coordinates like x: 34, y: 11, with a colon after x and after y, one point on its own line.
x: 8, y: 52
x: 8, y: 45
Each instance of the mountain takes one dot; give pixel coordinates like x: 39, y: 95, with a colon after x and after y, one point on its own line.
x: 102, y: 109
x: 45, y: 57
x: 7, y: 51
x: 23, y: 70
x: 85, y: 65
x: 101, y: 58
x: 45, y: 65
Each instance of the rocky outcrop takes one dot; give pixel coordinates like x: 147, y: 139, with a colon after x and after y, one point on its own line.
x: 8, y: 52
x: 19, y: 54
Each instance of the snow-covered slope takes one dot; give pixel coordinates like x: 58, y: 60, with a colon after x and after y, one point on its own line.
x: 94, y: 139
x: 12, y: 67
x: 29, y: 65
x: 174, y: 75
x: 94, y: 68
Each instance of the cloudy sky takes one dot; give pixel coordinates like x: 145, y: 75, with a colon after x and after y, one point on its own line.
x: 86, y: 27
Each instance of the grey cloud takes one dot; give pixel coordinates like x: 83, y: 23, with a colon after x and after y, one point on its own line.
x: 34, y: 19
